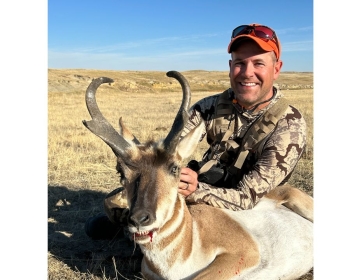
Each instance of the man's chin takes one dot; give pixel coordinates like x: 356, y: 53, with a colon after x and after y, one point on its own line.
x: 245, y: 99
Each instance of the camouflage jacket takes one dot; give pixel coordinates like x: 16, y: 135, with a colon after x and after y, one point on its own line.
x: 265, y: 169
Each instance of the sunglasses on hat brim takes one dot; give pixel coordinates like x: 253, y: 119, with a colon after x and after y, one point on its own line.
x: 260, y: 31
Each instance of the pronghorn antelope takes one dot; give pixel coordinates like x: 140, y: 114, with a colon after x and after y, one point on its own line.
x: 180, y: 241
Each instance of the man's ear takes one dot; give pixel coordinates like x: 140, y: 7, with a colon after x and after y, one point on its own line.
x: 230, y: 62
x: 277, y: 67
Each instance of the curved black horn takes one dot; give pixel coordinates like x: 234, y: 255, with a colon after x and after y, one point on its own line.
x: 182, y: 116
x: 99, y: 125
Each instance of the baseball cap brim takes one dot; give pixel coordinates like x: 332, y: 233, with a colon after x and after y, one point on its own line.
x: 269, y: 45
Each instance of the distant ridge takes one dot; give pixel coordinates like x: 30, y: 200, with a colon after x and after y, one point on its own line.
x: 72, y: 80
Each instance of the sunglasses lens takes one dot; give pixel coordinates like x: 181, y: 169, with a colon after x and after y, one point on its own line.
x: 260, y: 31
x: 263, y: 32
x: 239, y: 30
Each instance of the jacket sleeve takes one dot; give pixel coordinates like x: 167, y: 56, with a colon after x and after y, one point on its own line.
x: 276, y: 162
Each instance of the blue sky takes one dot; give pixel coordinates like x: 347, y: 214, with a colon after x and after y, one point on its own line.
x: 166, y: 35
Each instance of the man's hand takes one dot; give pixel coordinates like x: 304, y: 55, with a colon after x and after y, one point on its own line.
x: 188, y: 181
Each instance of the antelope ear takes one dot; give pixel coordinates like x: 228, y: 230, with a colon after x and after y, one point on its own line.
x: 125, y: 132
x: 189, y: 142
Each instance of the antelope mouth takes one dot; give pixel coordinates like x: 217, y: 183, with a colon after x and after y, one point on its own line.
x: 144, y: 236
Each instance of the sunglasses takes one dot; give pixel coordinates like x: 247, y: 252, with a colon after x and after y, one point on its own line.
x: 261, y: 31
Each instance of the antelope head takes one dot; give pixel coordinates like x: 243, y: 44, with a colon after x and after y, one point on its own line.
x: 149, y: 172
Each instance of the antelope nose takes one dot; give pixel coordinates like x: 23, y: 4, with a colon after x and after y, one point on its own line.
x: 140, y: 218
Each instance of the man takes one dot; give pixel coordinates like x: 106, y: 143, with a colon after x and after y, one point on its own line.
x: 230, y: 176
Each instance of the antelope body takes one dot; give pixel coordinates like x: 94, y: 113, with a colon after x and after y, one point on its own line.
x: 274, y: 240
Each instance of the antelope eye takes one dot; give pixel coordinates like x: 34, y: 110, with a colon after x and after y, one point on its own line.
x: 175, y: 170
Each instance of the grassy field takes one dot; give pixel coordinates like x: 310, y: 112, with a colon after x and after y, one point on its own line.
x: 81, y: 167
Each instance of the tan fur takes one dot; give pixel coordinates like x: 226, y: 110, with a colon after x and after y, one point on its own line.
x: 184, y: 230
x: 214, y: 226
x: 294, y: 199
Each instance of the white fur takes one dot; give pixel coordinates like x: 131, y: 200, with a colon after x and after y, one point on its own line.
x: 284, y: 239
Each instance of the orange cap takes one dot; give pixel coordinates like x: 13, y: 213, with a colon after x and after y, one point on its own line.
x: 268, y: 45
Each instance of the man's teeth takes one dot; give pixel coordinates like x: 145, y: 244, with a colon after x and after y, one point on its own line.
x: 248, y: 84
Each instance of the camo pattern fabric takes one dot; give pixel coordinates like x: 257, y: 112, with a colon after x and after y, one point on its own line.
x: 269, y: 168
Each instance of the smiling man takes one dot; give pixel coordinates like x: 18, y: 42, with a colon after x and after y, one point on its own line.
x: 252, y: 73
x: 255, y: 136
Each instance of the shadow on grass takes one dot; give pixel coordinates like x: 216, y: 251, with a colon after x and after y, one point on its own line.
x: 68, y: 211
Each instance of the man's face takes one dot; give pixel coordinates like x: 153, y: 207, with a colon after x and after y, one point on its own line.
x: 252, y: 73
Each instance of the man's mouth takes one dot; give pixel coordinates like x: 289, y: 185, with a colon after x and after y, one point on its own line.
x: 248, y: 84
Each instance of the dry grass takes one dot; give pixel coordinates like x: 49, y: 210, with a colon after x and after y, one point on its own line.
x: 81, y: 167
